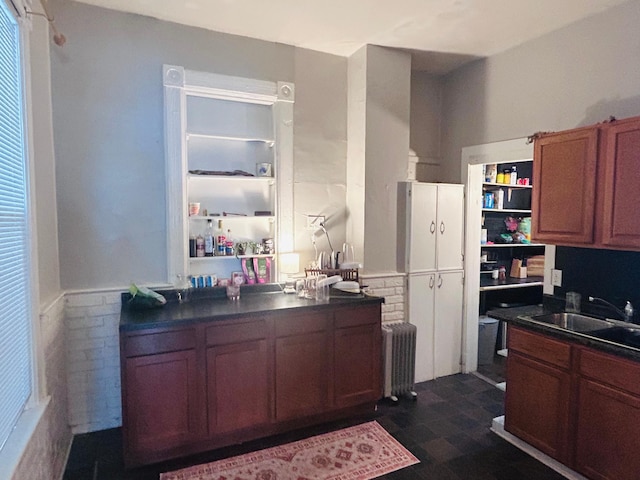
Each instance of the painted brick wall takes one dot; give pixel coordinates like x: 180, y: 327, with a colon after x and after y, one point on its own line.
x: 48, y: 449
x: 392, y: 287
x: 93, y: 360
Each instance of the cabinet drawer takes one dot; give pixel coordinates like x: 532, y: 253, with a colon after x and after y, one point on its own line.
x: 295, y: 325
x: 152, y: 343
x: 237, y: 332
x: 540, y: 347
x: 610, y: 370
x: 351, y: 317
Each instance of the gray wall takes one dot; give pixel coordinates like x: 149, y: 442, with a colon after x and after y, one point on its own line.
x: 572, y: 77
x: 108, y: 110
x: 388, y: 102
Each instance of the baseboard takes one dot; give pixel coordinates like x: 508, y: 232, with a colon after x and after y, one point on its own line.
x: 497, y: 427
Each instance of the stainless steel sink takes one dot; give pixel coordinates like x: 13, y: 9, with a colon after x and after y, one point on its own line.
x: 628, y: 336
x: 574, y: 321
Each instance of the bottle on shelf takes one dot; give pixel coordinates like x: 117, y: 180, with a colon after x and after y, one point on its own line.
x: 199, y: 246
x: 514, y: 176
x: 221, y: 244
x: 209, y: 247
x: 228, y: 244
x: 192, y: 245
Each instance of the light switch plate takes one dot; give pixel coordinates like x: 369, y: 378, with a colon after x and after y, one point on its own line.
x: 556, y: 278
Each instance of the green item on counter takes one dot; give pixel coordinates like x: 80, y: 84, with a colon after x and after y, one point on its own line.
x: 143, y: 297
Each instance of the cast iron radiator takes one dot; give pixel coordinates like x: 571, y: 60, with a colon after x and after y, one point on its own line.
x: 399, y: 357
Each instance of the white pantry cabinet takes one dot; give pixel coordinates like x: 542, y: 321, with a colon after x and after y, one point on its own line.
x: 435, y: 307
x: 433, y: 226
x: 431, y: 253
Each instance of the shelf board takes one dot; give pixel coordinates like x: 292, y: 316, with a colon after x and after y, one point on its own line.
x: 508, y: 185
x: 244, y: 178
x: 505, y: 210
x: 228, y: 257
x: 505, y: 245
x: 269, y: 141
x: 491, y: 284
x: 199, y: 218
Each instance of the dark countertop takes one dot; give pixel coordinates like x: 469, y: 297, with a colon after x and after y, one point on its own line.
x: 217, y: 306
x: 521, y: 316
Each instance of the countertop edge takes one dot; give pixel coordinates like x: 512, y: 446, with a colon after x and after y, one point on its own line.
x: 518, y: 316
x: 216, y: 309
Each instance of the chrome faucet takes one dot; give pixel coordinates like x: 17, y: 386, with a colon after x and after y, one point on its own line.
x: 626, y: 314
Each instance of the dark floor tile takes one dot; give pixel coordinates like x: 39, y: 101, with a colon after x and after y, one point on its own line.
x: 446, y: 427
x: 441, y: 450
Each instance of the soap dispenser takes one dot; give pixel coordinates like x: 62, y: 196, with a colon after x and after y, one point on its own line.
x: 628, y: 311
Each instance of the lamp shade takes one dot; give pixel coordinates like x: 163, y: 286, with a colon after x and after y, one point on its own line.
x: 289, y: 263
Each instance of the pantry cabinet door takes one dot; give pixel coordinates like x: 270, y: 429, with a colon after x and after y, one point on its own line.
x: 620, y: 185
x: 564, y: 187
x: 450, y: 228
x: 447, y: 338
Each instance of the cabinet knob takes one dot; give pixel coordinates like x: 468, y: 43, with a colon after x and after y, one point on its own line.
x: 431, y: 281
x: 442, y: 227
x: 439, y: 281
x: 432, y: 229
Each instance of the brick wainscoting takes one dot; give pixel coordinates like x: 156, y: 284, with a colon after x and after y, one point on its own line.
x: 93, y: 360
x: 392, y: 287
x: 46, y: 454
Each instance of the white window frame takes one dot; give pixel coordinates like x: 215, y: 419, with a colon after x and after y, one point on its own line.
x: 17, y: 442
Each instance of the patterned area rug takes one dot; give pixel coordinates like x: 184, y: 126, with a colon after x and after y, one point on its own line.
x: 355, y: 453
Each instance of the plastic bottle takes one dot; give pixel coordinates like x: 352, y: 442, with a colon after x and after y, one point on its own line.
x: 514, y: 176
x: 199, y: 246
x: 229, y: 244
x: 192, y: 245
x: 208, y: 240
x: 220, y: 240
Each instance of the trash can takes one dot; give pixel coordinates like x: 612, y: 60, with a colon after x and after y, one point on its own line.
x: 487, y: 335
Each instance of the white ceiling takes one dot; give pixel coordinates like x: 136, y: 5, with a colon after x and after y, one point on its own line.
x: 442, y: 34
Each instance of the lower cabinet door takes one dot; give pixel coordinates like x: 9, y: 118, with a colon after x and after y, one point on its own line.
x: 161, y: 406
x: 238, y: 386
x: 302, y: 375
x: 537, y: 405
x: 357, y: 365
x: 608, y: 438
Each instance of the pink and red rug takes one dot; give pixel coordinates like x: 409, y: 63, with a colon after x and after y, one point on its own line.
x: 356, y: 453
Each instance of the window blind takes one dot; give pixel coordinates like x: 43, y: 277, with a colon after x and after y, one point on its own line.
x: 15, y: 323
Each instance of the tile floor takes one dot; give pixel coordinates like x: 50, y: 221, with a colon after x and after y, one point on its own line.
x: 447, y: 428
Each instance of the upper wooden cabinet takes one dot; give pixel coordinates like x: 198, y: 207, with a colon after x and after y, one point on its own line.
x: 585, y: 186
x: 620, y: 181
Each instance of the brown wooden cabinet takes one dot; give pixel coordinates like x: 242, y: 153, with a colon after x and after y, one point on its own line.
x: 585, y: 186
x: 357, y: 351
x: 608, y: 417
x: 578, y: 405
x: 539, y: 388
x: 226, y: 381
x: 161, y: 406
x: 238, y: 373
x: 302, y: 353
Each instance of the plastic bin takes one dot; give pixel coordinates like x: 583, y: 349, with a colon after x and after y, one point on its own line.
x: 487, y: 336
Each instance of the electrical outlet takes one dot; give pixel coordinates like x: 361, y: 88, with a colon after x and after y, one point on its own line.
x: 314, y: 221
x: 556, y: 278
